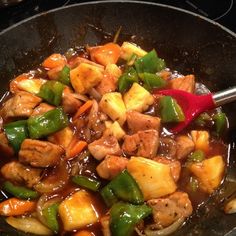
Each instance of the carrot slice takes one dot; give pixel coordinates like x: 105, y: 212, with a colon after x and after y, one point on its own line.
x: 14, y: 207
x: 87, y: 105
x: 53, y: 61
x: 106, y: 54
x: 75, y: 147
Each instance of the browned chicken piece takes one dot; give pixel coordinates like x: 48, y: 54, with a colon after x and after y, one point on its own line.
x: 5, y: 147
x: 137, y: 121
x: 41, y: 109
x: 106, y: 145
x: 21, y: 174
x: 105, y: 223
x: 186, y: 83
x: 184, y: 146
x: 167, y: 147
x: 107, y: 85
x: 175, y: 166
x: 70, y: 103
x: 144, y: 143
x: 167, y: 210
x: 40, y: 153
x: 53, y: 74
x: 21, y: 105
x: 111, y: 166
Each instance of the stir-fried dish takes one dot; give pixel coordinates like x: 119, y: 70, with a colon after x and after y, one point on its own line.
x: 86, y: 148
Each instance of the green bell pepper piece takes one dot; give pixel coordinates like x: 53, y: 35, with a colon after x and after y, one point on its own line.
x: 51, y: 91
x: 108, y: 196
x: 64, y: 75
x: 196, y: 156
x: 125, y: 216
x: 149, y: 63
x: 86, y: 182
x: 50, y: 215
x: 19, y: 191
x: 203, y: 119
x: 220, y: 120
x: 127, y: 79
x: 124, y: 187
x: 16, y: 132
x: 152, y: 81
x: 170, y: 110
x: 47, y: 123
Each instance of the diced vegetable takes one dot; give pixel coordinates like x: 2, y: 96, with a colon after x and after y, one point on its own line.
x: 50, y: 215
x: 130, y: 49
x: 51, y: 91
x: 53, y: 61
x: 64, y: 75
x: 114, y: 129
x: 85, y: 107
x: 16, y: 133
x: 14, y: 207
x: 29, y: 225
x: 87, y: 182
x: 19, y: 191
x: 153, y: 178
x: 109, y: 196
x: 203, y: 119
x: 170, y: 110
x: 196, y: 156
x: 200, y: 139
x: 138, y: 98
x: 127, y: 79
x: 77, y: 211
x: 209, y: 172
x: 75, y: 147
x: 124, y: 218
x: 112, y: 104
x: 220, y: 120
x: 152, y: 81
x: 84, y: 77
x: 149, y: 63
x: 124, y: 188
x: 47, y: 123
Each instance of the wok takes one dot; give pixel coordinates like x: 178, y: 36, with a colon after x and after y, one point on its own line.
x: 188, y: 42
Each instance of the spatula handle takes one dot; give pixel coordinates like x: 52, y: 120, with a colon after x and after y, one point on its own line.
x: 225, y: 96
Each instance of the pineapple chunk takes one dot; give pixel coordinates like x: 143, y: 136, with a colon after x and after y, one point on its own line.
x: 112, y: 104
x: 138, y: 98
x: 200, y: 139
x: 209, y: 172
x: 113, y: 70
x: 31, y: 85
x: 114, y: 129
x: 77, y: 211
x: 84, y: 77
x: 129, y: 49
x: 154, y: 178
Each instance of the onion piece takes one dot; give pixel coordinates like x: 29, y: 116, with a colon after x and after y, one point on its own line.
x: 56, y: 180
x: 151, y: 231
x: 95, y: 94
x: 28, y: 225
x: 230, y: 207
x: 80, y: 97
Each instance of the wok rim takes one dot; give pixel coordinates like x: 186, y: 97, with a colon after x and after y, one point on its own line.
x: 212, y: 22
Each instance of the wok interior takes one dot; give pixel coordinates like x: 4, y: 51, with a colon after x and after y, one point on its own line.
x: 188, y: 43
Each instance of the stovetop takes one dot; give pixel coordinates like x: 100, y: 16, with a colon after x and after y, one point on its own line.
x: 222, y: 11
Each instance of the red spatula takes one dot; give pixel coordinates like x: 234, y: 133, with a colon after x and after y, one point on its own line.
x: 193, y: 105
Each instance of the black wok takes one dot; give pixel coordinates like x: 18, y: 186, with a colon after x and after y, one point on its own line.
x: 189, y: 43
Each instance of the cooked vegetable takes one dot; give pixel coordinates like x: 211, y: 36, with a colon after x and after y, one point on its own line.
x: 64, y: 75
x: 50, y: 215
x: 75, y: 147
x: 86, y: 182
x: 77, y: 211
x: 200, y: 139
x: 220, y: 122
x: 51, y: 91
x: 112, y: 104
x: 152, y: 81
x: 114, y: 129
x: 16, y: 133
x: 84, y: 108
x: 124, y: 217
x: 138, y: 98
x: 127, y: 79
x: 53, y: 61
x: 19, y: 191
x: 130, y: 49
x: 47, y: 123
x: 170, y: 110
x: 153, y: 178
x: 123, y: 187
x: 196, y: 156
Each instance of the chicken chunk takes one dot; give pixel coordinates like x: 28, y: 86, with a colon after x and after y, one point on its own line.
x: 21, y: 105
x: 5, y: 147
x: 137, y: 121
x: 41, y: 109
x: 40, y: 153
x: 108, y: 84
x: 111, y: 166
x: 21, y: 174
x: 175, y: 166
x: 106, y: 145
x: 184, y: 146
x: 144, y: 143
x: 167, y: 210
x: 186, y: 83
